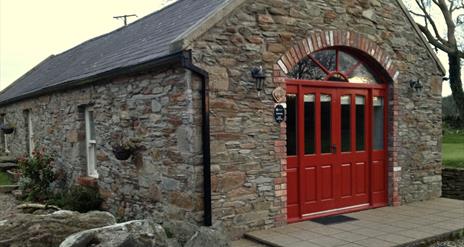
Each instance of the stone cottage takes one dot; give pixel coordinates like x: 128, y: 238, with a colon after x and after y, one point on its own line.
x: 254, y: 113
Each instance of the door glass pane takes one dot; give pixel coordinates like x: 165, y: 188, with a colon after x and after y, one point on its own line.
x: 327, y: 58
x: 291, y: 124
x: 307, y: 69
x: 346, y: 62
x: 377, y: 122
x: 309, y: 125
x: 360, y: 117
x: 346, y: 123
x: 326, y: 139
x: 362, y: 75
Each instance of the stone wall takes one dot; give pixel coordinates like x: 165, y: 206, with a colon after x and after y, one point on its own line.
x: 453, y: 183
x: 248, y: 147
x: 162, y: 109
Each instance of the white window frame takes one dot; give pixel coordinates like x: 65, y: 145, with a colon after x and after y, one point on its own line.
x: 30, y: 133
x: 5, y: 139
x: 91, y: 145
x: 6, y: 144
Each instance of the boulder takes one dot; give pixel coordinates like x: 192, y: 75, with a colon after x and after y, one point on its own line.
x: 47, y: 230
x: 7, y: 165
x: 137, y: 233
x: 185, y: 234
x: 208, y: 237
x: 179, y: 231
x: 7, y: 159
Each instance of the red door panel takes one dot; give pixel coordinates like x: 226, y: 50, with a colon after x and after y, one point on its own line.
x: 293, y: 204
x: 346, y: 181
x: 334, y: 165
x: 360, y: 178
x: 310, y: 185
x: 378, y: 178
x: 326, y: 181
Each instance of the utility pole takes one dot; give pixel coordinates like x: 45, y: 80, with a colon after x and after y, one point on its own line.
x: 124, y: 17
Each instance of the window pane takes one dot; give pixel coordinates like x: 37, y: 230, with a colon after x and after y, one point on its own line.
x: 378, y: 123
x: 327, y: 58
x: 346, y: 62
x: 92, y: 126
x: 360, y: 117
x: 309, y: 125
x: 308, y: 70
x: 362, y: 75
x: 346, y: 123
x: 291, y: 124
x: 326, y: 138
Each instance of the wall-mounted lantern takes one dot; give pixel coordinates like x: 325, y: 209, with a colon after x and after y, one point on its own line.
x: 260, y: 76
x: 417, y: 86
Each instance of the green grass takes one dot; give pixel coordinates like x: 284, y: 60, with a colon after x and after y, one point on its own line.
x: 4, y: 179
x: 453, y: 149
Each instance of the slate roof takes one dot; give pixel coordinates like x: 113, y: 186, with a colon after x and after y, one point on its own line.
x: 144, y: 40
x: 150, y: 38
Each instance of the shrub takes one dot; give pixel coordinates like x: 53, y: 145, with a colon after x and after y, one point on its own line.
x: 78, y: 198
x: 36, y: 176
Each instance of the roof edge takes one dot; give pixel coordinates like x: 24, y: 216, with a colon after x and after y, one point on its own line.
x: 154, y: 63
x: 422, y: 37
x: 25, y: 74
x: 203, y: 25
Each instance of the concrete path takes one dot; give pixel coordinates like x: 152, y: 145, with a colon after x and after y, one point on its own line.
x: 390, y: 226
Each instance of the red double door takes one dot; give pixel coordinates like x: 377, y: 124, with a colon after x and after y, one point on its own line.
x: 336, y: 147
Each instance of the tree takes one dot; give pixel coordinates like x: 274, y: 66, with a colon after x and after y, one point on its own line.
x: 445, y: 40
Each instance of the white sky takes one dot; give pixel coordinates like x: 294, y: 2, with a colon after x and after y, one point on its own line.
x: 32, y: 30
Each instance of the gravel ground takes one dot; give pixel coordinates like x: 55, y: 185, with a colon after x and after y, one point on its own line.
x: 7, y: 204
x: 456, y: 243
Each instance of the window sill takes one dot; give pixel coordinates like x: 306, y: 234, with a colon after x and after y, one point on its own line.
x: 87, y: 181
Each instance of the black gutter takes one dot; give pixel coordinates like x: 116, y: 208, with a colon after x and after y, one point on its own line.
x: 187, y: 63
x: 142, y: 67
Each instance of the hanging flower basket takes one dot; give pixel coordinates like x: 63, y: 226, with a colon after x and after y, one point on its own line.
x: 8, y: 129
x: 122, y: 153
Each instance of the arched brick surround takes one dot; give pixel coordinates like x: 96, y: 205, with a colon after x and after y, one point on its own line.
x: 326, y: 39
x: 321, y: 40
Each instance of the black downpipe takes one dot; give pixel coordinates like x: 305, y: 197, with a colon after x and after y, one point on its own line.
x: 187, y: 63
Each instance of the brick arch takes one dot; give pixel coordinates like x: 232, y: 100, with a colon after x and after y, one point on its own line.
x: 326, y: 39
x: 317, y: 41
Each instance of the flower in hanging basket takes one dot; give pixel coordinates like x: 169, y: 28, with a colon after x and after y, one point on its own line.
x: 123, y: 150
x: 8, y: 128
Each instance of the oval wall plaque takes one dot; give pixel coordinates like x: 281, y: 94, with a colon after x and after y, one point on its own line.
x: 279, y: 113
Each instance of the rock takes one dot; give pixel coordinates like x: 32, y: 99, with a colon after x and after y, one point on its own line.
x: 369, y: 14
x: 137, y: 233
x: 209, y: 237
x: 185, y: 234
x: 8, y: 188
x: 20, y: 229
x: 7, y: 159
x: 8, y: 165
x: 180, y: 230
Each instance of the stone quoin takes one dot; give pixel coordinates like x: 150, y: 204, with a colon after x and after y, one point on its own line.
x: 179, y: 83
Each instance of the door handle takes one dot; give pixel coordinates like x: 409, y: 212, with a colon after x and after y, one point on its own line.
x: 334, y: 148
